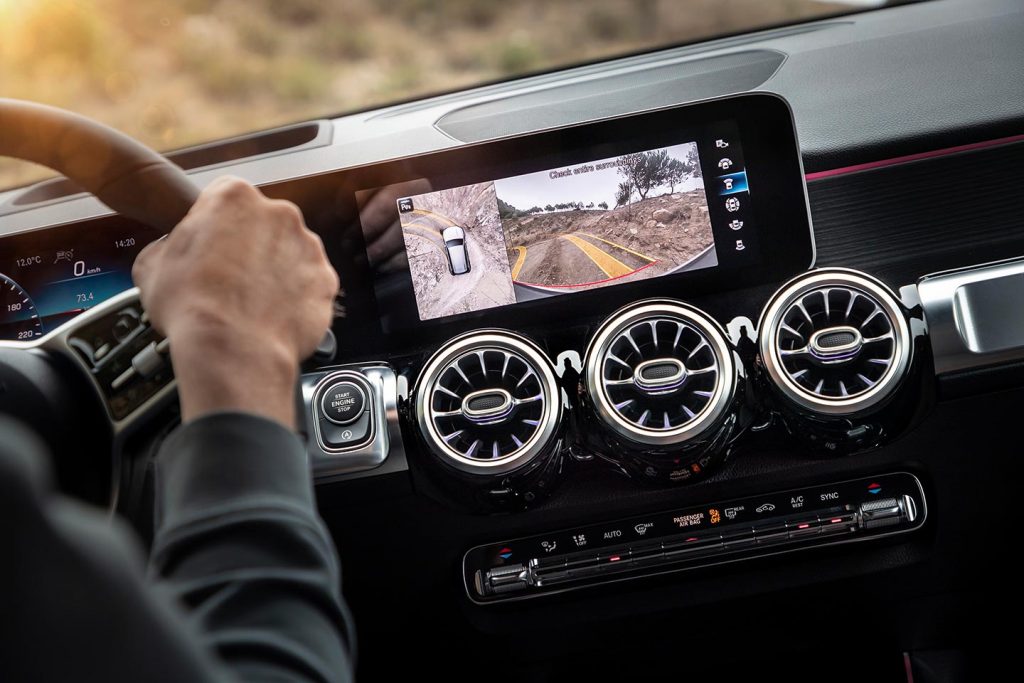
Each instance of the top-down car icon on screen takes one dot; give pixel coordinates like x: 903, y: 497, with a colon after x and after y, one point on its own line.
x: 455, y: 246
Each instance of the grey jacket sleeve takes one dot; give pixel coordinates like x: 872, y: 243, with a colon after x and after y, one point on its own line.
x: 241, y: 549
x: 243, y: 581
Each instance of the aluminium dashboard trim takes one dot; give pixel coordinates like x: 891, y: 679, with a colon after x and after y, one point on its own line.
x: 384, y: 445
x: 954, y: 330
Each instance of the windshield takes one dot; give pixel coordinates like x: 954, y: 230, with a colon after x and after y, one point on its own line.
x: 176, y: 73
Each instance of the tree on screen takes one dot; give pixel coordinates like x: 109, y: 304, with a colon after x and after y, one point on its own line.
x: 506, y: 210
x: 622, y: 196
x: 645, y: 170
x: 694, y: 162
x: 677, y: 170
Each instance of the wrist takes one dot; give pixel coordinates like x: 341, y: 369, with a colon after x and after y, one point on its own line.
x: 237, y: 371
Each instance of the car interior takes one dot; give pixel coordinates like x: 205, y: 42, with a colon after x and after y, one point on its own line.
x: 700, y: 363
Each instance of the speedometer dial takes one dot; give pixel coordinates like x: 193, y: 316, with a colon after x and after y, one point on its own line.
x: 19, y: 319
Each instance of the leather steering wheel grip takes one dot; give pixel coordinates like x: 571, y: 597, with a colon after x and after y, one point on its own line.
x: 121, y: 172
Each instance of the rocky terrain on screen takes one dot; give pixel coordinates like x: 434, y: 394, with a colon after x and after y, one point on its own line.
x: 438, y: 292
x: 656, y: 235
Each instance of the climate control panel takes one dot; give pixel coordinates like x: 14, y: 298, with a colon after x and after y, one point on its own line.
x: 675, y: 540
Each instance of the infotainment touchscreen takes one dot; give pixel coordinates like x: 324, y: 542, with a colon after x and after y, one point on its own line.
x: 617, y: 204
x: 558, y: 231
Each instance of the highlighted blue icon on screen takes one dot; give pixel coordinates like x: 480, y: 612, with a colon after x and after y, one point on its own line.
x: 732, y: 183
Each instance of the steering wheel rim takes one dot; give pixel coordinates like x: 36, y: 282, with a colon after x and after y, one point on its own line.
x: 138, y: 183
x: 120, y: 171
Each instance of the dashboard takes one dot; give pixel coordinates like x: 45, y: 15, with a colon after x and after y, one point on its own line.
x: 691, y: 198
x: 581, y: 397
x: 526, y: 304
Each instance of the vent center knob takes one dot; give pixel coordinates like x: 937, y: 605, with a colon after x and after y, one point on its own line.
x: 660, y: 375
x: 488, y: 406
x: 833, y: 345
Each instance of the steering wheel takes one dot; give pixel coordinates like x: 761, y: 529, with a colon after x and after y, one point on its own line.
x: 112, y: 346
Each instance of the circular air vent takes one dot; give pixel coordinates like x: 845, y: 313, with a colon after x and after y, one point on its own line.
x: 660, y: 372
x: 835, y: 341
x: 487, y: 402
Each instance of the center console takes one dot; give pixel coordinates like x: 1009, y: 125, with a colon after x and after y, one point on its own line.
x: 630, y: 295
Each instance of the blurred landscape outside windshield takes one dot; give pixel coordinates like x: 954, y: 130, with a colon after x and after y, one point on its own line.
x: 176, y: 73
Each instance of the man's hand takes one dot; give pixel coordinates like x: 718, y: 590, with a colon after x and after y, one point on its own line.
x: 243, y: 291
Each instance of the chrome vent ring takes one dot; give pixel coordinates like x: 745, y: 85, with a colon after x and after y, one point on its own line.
x: 835, y: 341
x: 487, y: 402
x: 660, y: 372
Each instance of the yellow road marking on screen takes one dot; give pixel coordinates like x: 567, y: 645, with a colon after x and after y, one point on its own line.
x: 520, y: 260
x: 611, y: 266
x: 619, y: 246
x: 431, y: 214
x: 415, y: 223
x: 426, y: 231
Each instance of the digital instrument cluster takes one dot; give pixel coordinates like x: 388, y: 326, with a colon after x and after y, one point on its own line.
x: 47, y: 277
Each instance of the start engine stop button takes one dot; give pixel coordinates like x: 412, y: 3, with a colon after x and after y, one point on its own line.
x: 343, y: 402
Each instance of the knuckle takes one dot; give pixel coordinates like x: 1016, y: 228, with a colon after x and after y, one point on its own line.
x: 288, y: 213
x: 333, y: 281
x: 315, y: 246
x: 231, y: 188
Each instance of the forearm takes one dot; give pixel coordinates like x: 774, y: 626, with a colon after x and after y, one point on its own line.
x: 239, y: 544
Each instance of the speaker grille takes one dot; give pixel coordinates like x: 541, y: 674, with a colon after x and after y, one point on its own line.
x: 488, y: 402
x: 660, y: 372
x: 835, y: 341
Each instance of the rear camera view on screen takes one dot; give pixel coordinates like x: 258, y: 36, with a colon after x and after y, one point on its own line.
x: 558, y: 231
